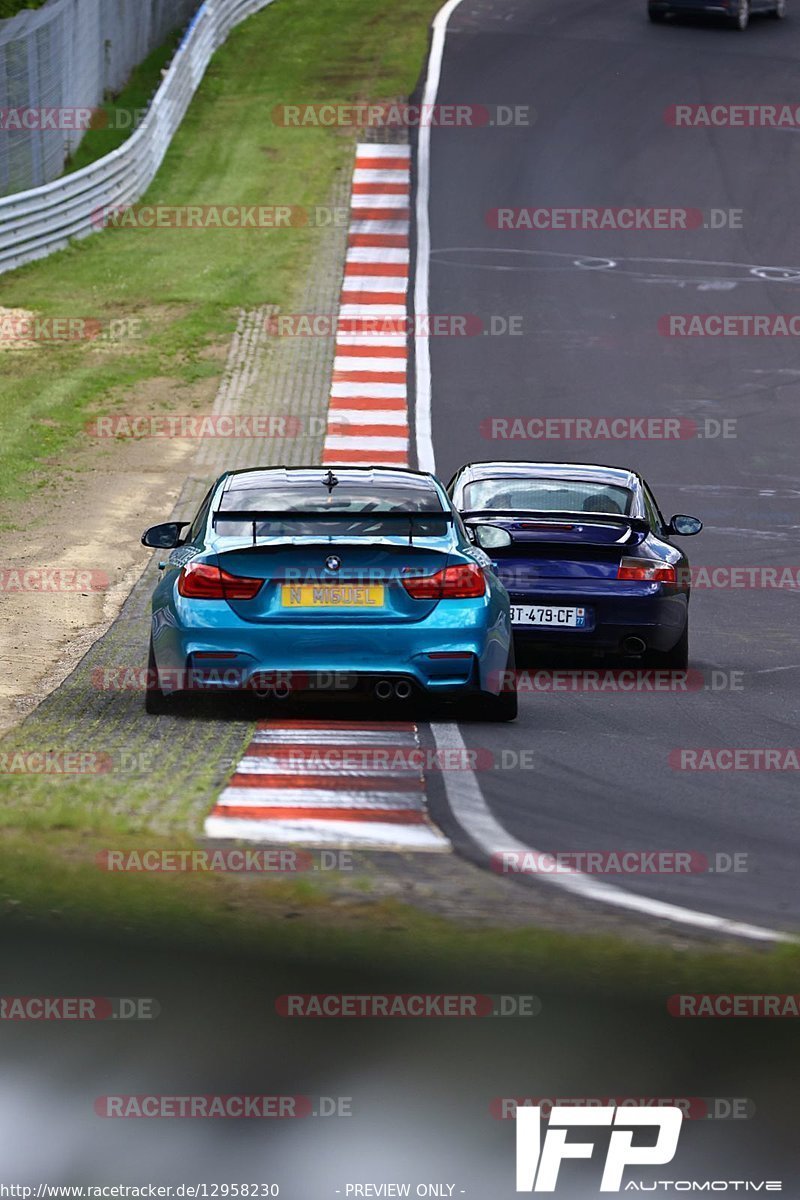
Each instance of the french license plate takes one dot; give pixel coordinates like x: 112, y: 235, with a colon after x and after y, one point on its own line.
x: 339, y: 595
x: 548, y: 615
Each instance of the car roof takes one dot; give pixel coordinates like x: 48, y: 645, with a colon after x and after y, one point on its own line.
x: 588, y: 472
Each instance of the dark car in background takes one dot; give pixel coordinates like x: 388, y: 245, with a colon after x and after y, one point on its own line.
x: 736, y: 12
x: 586, y: 557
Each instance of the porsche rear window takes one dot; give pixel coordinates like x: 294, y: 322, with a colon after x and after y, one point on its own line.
x: 548, y: 495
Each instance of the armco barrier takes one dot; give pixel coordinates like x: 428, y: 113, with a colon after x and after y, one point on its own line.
x: 33, y: 224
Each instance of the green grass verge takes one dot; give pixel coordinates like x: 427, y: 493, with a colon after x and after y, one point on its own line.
x: 218, y: 911
x: 10, y: 8
x: 186, y: 285
x: 119, y: 115
x: 136, y: 781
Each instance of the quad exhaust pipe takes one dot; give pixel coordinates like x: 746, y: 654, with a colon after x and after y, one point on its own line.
x: 387, y: 689
x: 281, y: 691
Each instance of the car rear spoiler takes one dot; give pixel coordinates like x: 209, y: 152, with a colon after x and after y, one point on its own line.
x: 258, y: 517
x: 513, y: 521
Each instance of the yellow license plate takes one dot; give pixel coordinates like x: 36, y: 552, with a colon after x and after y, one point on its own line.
x: 340, y: 595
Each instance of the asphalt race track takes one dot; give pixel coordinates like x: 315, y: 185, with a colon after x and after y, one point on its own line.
x: 600, y: 78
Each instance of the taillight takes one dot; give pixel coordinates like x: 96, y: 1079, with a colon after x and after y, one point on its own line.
x: 466, y: 582
x: 202, y: 581
x: 646, y: 572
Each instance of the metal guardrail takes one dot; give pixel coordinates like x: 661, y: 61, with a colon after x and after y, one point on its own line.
x: 35, y: 223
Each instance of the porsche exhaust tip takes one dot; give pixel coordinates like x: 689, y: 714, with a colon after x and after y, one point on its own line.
x: 634, y: 645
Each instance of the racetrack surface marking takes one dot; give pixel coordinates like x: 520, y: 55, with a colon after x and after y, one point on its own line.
x: 464, y: 795
x: 329, y: 783
x: 422, y: 350
x: 368, y: 415
x: 473, y: 814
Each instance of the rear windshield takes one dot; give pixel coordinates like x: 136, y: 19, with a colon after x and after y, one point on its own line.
x: 548, y: 495
x: 361, y: 503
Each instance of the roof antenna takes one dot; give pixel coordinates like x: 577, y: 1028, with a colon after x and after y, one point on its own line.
x: 330, y: 481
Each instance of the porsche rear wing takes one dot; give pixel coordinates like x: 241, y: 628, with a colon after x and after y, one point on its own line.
x: 516, y: 522
x: 264, y: 516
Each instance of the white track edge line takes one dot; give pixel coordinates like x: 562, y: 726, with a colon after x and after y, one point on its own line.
x: 474, y: 816
x: 422, y: 356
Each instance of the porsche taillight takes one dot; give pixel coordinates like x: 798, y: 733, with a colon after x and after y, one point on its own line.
x: 202, y: 581
x: 466, y: 582
x: 638, y: 569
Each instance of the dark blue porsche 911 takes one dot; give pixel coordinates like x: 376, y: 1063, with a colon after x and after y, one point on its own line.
x: 736, y: 12
x: 585, y: 554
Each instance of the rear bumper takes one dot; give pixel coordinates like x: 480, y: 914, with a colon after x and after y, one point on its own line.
x: 656, y: 615
x: 476, y: 636
x: 721, y: 8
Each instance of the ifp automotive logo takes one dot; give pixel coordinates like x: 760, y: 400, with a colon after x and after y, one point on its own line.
x: 538, y: 1161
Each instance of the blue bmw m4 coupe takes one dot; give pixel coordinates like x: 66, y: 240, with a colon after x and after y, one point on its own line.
x: 586, y: 556
x: 290, y: 576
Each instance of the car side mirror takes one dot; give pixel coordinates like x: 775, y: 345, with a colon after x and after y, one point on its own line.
x: 490, y: 537
x: 684, y: 526
x: 164, y: 537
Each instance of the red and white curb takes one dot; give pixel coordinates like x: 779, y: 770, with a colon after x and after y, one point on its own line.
x: 368, y: 414
x: 294, y: 785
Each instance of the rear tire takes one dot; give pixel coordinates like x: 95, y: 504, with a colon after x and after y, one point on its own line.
x: 676, y: 659
x: 505, y: 706
x: 155, y: 702
x: 742, y: 18
x: 779, y: 11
